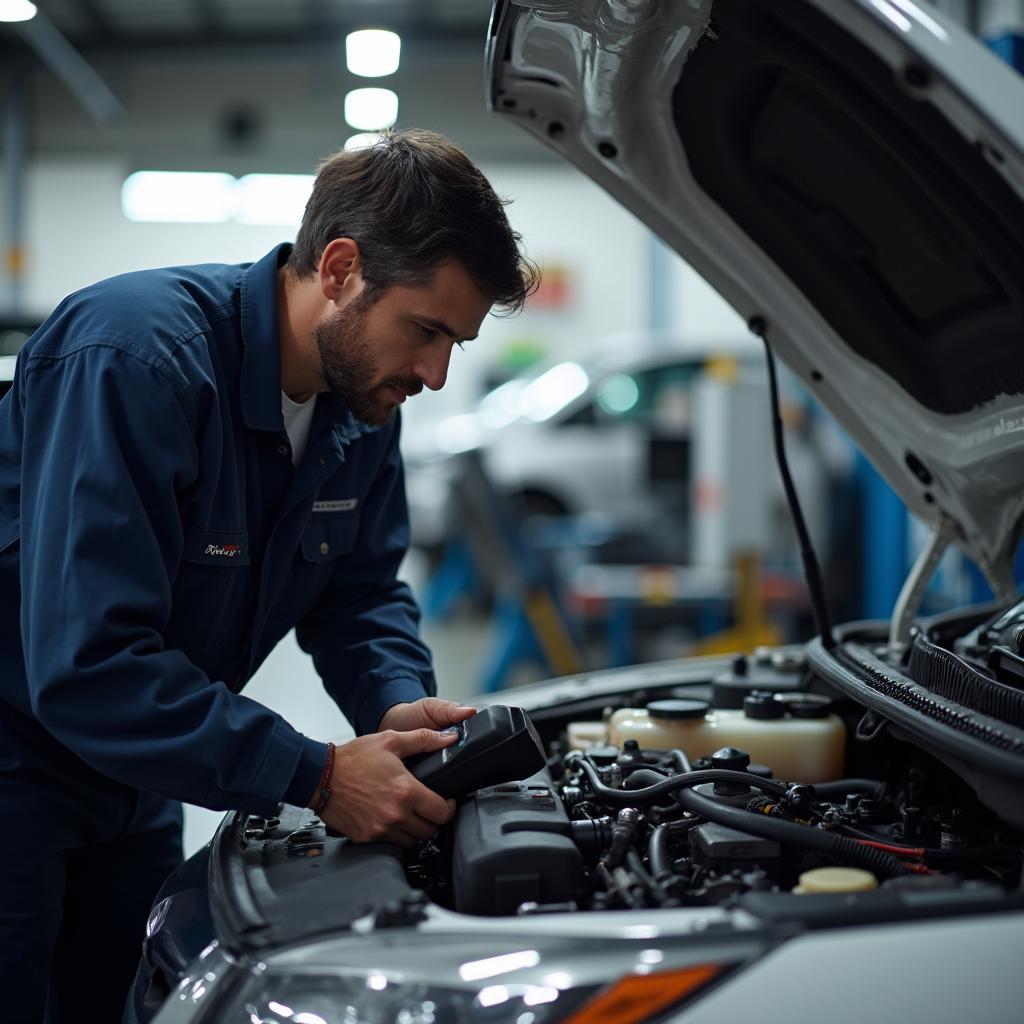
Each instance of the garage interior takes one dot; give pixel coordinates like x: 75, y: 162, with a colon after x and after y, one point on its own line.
x: 97, y: 90
x: 594, y: 488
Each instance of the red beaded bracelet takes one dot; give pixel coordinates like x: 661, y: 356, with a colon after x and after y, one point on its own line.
x: 325, y: 780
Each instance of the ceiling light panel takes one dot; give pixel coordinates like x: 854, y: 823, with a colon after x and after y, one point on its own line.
x: 371, y: 109
x: 17, y: 10
x: 186, y: 197
x: 373, y: 52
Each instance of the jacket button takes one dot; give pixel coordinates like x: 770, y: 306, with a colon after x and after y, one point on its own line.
x: 282, y: 449
x: 324, y: 548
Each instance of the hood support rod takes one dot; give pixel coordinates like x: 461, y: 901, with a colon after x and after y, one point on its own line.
x: 909, y: 601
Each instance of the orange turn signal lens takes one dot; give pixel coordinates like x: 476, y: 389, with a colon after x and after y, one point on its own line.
x: 637, y: 997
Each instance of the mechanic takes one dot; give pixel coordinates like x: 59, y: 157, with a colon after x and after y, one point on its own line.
x: 193, y: 461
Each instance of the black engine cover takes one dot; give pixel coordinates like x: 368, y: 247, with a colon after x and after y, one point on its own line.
x: 513, y: 844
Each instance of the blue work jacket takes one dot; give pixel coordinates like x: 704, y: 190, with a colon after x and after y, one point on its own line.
x: 156, y: 541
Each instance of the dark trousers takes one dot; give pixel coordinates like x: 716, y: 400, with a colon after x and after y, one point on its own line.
x: 81, y: 861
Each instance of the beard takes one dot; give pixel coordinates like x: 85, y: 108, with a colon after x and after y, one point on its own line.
x: 349, y: 367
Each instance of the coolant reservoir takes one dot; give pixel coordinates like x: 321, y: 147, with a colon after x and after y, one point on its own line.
x: 662, y: 725
x: 800, y: 740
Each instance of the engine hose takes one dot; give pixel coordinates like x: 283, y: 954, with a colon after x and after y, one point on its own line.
x: 879, y: 863
x: 640, y: 778
x: 653, y: 885
x: 647, y: 795
x: 657, y: 851
x: 838, y: 789
x: 624, y: 834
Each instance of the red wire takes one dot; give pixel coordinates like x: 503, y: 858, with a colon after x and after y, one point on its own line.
x: 906, y: 851
x: 917, y: 867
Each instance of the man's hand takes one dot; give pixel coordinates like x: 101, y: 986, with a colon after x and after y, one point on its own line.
x: 427, y: 713
x: 374, y: 798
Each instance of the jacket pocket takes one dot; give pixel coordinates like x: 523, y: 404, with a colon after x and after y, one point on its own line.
x: 325, y: 538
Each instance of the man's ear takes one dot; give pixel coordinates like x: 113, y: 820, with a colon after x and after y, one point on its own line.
x: 341, y: 278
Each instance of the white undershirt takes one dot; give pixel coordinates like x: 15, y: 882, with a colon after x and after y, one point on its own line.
x: 297, y: 420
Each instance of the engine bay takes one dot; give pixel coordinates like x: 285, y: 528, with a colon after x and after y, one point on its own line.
x: 764, y: 778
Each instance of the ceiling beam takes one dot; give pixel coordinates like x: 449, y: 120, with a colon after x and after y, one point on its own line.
x: 70, y: 66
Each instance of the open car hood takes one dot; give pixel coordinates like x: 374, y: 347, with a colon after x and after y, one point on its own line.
x: 848, y: 174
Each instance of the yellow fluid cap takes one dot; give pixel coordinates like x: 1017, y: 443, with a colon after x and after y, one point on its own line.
x: 836, y: 880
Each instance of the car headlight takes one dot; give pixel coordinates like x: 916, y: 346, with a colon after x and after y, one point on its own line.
x: 408, y: 979
x: 378, y: 999
x: 423, y: 979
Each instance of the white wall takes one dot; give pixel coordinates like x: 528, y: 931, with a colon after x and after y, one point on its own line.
x: 77, y: 234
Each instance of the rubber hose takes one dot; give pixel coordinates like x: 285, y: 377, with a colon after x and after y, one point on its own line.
x: 840, y: 787
x: 639, y: 797
x: 657, y: 851
x: 641, y: 778
x: 878, y: 862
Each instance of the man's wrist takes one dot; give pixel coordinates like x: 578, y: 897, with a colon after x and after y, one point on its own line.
x: 387, y: 711
x: 306, y: 775
x: 323, y: 793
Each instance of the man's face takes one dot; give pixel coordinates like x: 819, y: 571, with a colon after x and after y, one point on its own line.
x: 375, y: 353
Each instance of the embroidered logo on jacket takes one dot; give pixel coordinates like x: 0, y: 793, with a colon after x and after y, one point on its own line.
x: 223, y: 550
x: 335, y: 506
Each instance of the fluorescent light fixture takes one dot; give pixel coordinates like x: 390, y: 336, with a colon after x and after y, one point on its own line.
x: 272, y: 198
x: 361, y: 141
x: 373, y: 52
x: 371, y: 109
x: 17, y: 10
x: 184, y: 196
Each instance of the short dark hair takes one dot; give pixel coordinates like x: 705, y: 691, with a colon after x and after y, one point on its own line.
x: 413, y: 201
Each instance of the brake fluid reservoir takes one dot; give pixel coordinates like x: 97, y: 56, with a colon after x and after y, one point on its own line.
x: 801, y: 741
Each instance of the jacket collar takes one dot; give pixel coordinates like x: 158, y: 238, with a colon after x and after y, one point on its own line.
x: 261, y: 358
